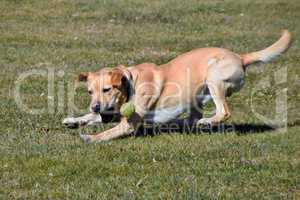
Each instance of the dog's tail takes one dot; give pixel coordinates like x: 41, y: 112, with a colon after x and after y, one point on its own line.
x: 270, y: 52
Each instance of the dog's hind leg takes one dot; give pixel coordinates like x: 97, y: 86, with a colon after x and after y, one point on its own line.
x: 225, y: 75
x: 217, y: 90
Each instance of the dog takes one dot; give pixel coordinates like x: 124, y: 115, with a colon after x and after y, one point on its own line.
x: 163, y: 93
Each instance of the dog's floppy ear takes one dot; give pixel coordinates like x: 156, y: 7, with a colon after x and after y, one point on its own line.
x: 117, y: 78
x: 83, y: 76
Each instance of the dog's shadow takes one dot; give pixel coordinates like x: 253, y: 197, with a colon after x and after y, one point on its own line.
x: 186, y: 128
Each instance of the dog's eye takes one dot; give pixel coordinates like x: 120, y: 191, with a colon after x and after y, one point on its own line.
x: 90, y: 92
x: 106, y: 89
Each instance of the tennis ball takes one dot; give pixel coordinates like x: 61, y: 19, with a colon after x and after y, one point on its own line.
x: 127, y: 109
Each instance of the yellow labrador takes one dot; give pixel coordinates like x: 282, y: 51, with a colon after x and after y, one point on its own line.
x: 162, y: 93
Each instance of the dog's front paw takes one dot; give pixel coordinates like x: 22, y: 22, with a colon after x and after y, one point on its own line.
x: 86, y: 138
x: 70, y: 122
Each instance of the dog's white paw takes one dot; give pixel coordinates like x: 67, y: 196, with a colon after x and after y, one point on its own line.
x: 88, y: 119
x: 70, y: 122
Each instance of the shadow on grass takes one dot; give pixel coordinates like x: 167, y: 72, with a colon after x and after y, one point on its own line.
x: 187, y: 128
x: 183, y: 127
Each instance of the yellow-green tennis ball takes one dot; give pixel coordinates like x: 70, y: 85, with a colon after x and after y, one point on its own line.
x: 127, y: 109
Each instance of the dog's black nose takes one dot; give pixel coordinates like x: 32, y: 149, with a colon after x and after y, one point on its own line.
x: 96, y: 108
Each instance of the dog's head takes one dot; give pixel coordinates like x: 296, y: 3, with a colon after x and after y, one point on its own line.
x: 109, y: 88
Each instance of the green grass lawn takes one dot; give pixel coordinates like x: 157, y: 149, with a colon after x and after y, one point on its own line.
x: 41, y: 159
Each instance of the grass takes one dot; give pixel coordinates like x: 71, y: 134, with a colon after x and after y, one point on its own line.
x: 41, y: 159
